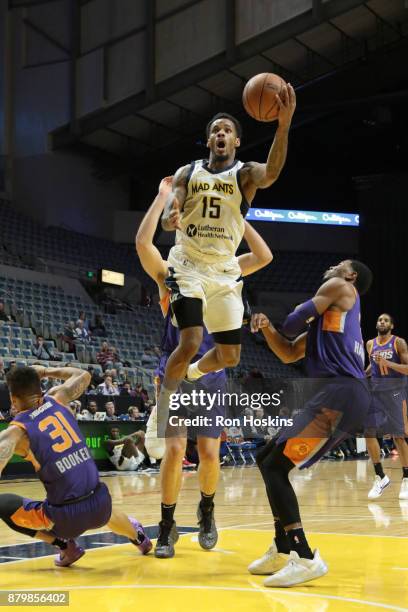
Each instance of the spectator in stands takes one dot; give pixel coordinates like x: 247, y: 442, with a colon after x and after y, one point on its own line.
x: 69, y: 336
x: 90, y: 411
x: 110, y: 412
x: 107, y: 387
x: 134, y: 414
x: 117, y: 361
x: 127, y: 389
x: 148, y: 358
x: 81, y: 332
x: 156, y: 351
x: 107, y: 357
x: 75, y: 407
x: 11, y: 365
x: 98, y: 329
x: 5, y: 317
x: 41, y: 351
x: 2, y: 371
x: 85, y: 322
x: 96, y: 378
x: 144, y: 395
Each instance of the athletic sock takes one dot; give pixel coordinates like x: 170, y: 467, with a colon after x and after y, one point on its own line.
x: 207, y: 502
x: 281, y: 538
x: 194, y: 372
x: 299, y: 543
x: 167, y: 513
x: 60, y: 543
x: 405, y: 472
x: 378, y: 469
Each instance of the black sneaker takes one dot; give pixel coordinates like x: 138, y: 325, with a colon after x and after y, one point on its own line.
x: 166, y: 539
x: 207, y: 535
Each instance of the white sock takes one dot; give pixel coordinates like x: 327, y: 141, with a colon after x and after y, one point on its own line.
x: 194, y: 372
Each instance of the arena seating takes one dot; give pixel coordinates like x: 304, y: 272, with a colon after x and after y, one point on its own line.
x: 22, y: 238
x: 45, y: 309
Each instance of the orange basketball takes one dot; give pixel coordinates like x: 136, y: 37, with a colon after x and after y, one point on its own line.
x: 259, y: 96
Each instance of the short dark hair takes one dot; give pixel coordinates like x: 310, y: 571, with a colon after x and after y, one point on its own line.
x: 391, y: 318
x: 23, y: 381
x: 238, y: 126
x: 364, y: 276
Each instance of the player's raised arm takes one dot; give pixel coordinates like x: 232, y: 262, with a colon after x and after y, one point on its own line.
x: 9, y: 438
x: 264, y: 175
x: 76, y: 382
x: 175, y: 201
x: 288, y: 351
x: 149, y: 255
x: 260, y: 255
x: 328, y: 294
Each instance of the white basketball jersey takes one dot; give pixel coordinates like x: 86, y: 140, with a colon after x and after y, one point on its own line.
x: 213, y: 214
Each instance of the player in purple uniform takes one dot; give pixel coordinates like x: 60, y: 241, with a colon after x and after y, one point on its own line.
x: 334, y: 356
x: 208, y: 438
x: 45, y: 432
x: 388, y: 410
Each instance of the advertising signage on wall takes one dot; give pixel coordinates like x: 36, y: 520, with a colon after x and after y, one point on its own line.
x: 303, y: 216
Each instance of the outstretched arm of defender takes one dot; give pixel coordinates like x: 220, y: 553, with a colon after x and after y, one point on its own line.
x: 329, y: 293
x: 263, y: 175
x: 175, y: 201
x: 76, y: 382
x: 9, y: 439
x: 260, y: 255
x: 150, y: 257
x: 288, y: 351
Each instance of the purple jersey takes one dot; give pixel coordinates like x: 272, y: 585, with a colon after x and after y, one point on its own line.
x: 58, y: 451
x: 335, y: 345
x: 388, y: 350
x: 169, y: 343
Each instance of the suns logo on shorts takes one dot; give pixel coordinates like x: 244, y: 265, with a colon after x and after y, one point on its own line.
x: 302, y: 449
x: 298, y: 449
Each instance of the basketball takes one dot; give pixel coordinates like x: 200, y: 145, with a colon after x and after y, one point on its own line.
x: 259, y: 96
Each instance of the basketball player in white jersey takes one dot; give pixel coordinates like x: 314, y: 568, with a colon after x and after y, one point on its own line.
x: 208, y: 442
x: 207, y: 207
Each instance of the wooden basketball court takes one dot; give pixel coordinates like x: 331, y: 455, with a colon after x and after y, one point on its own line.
x: 365, y: 545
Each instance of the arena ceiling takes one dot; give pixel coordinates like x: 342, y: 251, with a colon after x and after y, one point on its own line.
x: 342, y: 53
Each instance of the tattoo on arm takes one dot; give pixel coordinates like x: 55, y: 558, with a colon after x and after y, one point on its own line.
x: 73, y: 387
x: 8, y: 441
x: 6, y: 450
x: 277, y: 154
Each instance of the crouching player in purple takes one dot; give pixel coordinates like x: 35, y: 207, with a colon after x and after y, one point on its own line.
x: 45, y: 432
x: 208, y: 437
x: 334, y: 357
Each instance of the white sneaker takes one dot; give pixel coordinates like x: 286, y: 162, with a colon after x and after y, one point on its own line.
x: 378, y: 487
x: 155, y: 446
x: 297, y: 571
x: 271, y: 562
x: 403, y: 494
